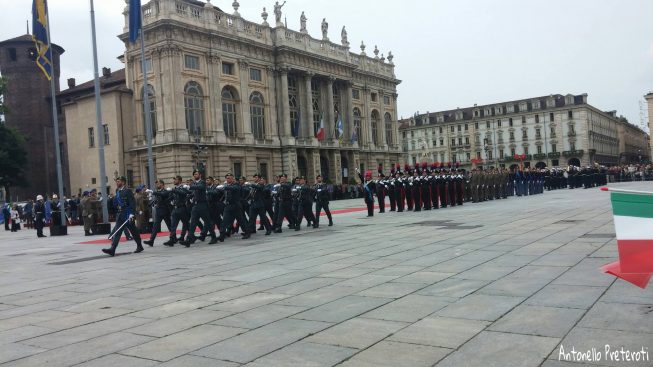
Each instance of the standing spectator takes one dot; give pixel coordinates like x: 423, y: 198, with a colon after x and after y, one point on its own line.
x: 6, y: 215
x: 15, y: 219
x: 28, y: 210
x: 39, y: 216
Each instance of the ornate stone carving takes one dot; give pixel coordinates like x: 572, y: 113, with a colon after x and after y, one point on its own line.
x: 376, y: 52
x: 363, y: 48
x: 382, y: 58
x: 390, y: 57
x: 236, y: 5
x: 343, y: 37
x: 302, y: 23
x: 325, y: 30
x: 277, y: 13
x: 264, y: 15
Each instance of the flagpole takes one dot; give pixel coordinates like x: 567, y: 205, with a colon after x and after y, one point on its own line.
x: 99, y: 127
x: 146, y: 107
x: 55, y: 119
x: 605, y: 188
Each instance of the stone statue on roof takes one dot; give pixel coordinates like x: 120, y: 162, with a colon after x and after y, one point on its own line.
x: 325, y: 29
x: 277, y: 13
x: 302, y: 23
x: 343, y: 36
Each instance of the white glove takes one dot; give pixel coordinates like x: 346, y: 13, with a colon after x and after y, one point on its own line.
x: 247, y: 183
x: 140, y: 213
x: 186, y: 187
x: 277, y: 185
x: 220, y: 186
x: 149, y: 191
x: 168, y: 188
x: 100, y: 199
x: 131, y: 217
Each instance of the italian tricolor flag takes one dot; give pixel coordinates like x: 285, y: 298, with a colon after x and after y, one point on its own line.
x: 633, y: 222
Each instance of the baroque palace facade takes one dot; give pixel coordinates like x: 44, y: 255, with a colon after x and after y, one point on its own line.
x: 247, y: 97
x: 556, y: 130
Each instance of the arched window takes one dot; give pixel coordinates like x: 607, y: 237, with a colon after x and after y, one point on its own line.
x: 152, y: 98
x: 194, y: 103
x: 357, y: 124
x: 317, y: 113
x: 388, y: 129
x: 257, y: 115
x: 374, y: 123
x: 293, y: 100
x: 229, y: 103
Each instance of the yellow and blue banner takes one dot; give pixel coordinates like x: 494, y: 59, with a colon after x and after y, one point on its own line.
x: 135, y: 21
x: 40, y: 37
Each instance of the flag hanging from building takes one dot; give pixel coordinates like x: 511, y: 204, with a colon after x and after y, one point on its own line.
x: 135, y: 22
x: 340, y: 127
x: 633, y: 222
x: 354, y: 137
x: 40, y: 37
x: 320, y: 132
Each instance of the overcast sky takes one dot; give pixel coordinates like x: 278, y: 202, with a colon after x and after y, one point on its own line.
x: 448, y: 53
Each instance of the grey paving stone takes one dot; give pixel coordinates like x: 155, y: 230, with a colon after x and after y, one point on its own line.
x: 440, y: 332
x: 304, y: 354
x: 14, y: 351
x: 342, y: 309
x: 113, y: 360
x: 423, y: 277
x: 486, y: 272
x: 615, y: 316
x: 81, y: 352
x: 171, y: 309
x: 391, y: 290
x: 82, y: 318
x: 500, y: 349
x: 357, y: 333
x: 409, y: 308
x: 256, y: 343
x: 197, y: 361
x: 30, y: 309
x: 177, y: 323
x: 515, y: 286
x: 392, y: 354
x: 248, y: 302
x: 622, y: 292
x: 480, y: 307
x: 22, y: 333
x: 397, y: 270
x: 85, y: 332
x: 304, y: 286
x: 175, y: 345
x: 570, y: 296
x: 539, y: 321
x: 260, y: 316
x: 453, y: 287
x: 453, y: 266
x: 319, y: 296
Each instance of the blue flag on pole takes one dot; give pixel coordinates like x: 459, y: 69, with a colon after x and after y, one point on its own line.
x: 135, y: 22
x: 40, y: 37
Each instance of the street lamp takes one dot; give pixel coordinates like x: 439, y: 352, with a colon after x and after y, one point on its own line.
x: 200, y: 151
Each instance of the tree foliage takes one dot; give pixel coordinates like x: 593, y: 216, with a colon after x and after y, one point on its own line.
x: 3, y: 87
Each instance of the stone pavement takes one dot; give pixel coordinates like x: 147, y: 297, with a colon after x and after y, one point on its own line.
x: 506, y: 283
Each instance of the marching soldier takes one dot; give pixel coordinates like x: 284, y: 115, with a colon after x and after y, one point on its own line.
x: 283, y: 203
x: 369, y: 188
x: 305, y: 204
x: 125, y: 206
x: 380, y: 192
x: 200, y: 210
x: 233, y: 209
x: 162, y: 212
x: 140, y: 197
x: 257, y: 206
x: 391, y: 184
x: 180, y: 212
x: 321, y: 202
x: 87, y: 212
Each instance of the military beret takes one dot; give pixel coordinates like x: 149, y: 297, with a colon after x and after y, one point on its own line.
x: 121, y: 178
x: 228, y: 174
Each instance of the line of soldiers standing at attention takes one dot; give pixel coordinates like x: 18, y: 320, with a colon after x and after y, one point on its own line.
x: 210, y: 204
x: 427, y: 187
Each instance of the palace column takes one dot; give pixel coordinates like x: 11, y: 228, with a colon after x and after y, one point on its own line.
x: 328, y: 115
x: 383, y: 142
x: 347, y: 110
x: 215, y: 105
x: 307, y: 125
x: 284, y: 107
x: 245, y: 129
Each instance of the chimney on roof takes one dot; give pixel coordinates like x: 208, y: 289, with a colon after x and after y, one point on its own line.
x: 71, y: 83
x: 106, y: 72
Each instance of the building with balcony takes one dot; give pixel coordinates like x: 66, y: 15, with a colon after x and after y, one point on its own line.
x: 554, y: 130
x: 255, y: 95
x: 649, y: 100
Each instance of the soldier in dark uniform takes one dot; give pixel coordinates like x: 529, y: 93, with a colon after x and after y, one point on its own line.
x: 162, y: 210
x: 369, y: 188
x: 408, y: 173
x: 180, y: 213
x: 380, y: 192
x: 433, y: 183
x: 39, y: 216
x: 125, y: 206
x: 200, y: 210
x: 321, y: 201
x: 305, y: 204
x: 216, y: 207
x: 233, y: 209
x: 267, y: 200
x: 391, y: 190
x: 425, y: 188
x: 400, y: 191
x: 283, y: 203
x: 416, y: 189
x: 257, y: 206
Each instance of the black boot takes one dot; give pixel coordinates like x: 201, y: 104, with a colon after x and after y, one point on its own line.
x: 246, y: 235
x: 330, y: 223
x: 149, y: 243
x: 110, y: 251
x: 221, y: 238
x: 169, y: 243
x: 214, y: 240
x: 268, y: 232
x: 139, y: 248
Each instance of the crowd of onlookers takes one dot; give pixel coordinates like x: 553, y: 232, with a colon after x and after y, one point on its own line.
x: 630, y: 172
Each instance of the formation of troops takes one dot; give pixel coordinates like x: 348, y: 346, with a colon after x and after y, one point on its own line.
x: 221, y: 209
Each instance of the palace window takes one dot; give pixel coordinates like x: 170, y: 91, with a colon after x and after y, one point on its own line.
x: 194, y: 105
x: 510, y: 122
x: 441, y: 142
x: 375, y: 124
x: 257, y: 115
x: 498, y: 123
x: 537, y: 119
x: 466, y: 127
x: 388, y: 129
x: 255, y: 74
x: 229, y: 108
x: 523, y: 120
x: 227, y: 68
x: 191, y: 62
x: 526, y: 150
x: 293, y: 101
x: 466, y: 140
x: 453, y: 128
x: 440, y: 129
x: 356, y: 94
x: 513, y: 152
x: 476, y: 125
x: 553, y: 148
x: 357, y: 124
x: 570, y: 115
x: 487, y: 124
x: 105, y: 131
x: 316, y: 98
x: 386, y: 100
x: 91, y: 138
x: 539, y: 149
x: 374, y: 97
x: 551, y: 117
x: 524, y: 134
x: 501, y: 156
x: 453, y: 142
